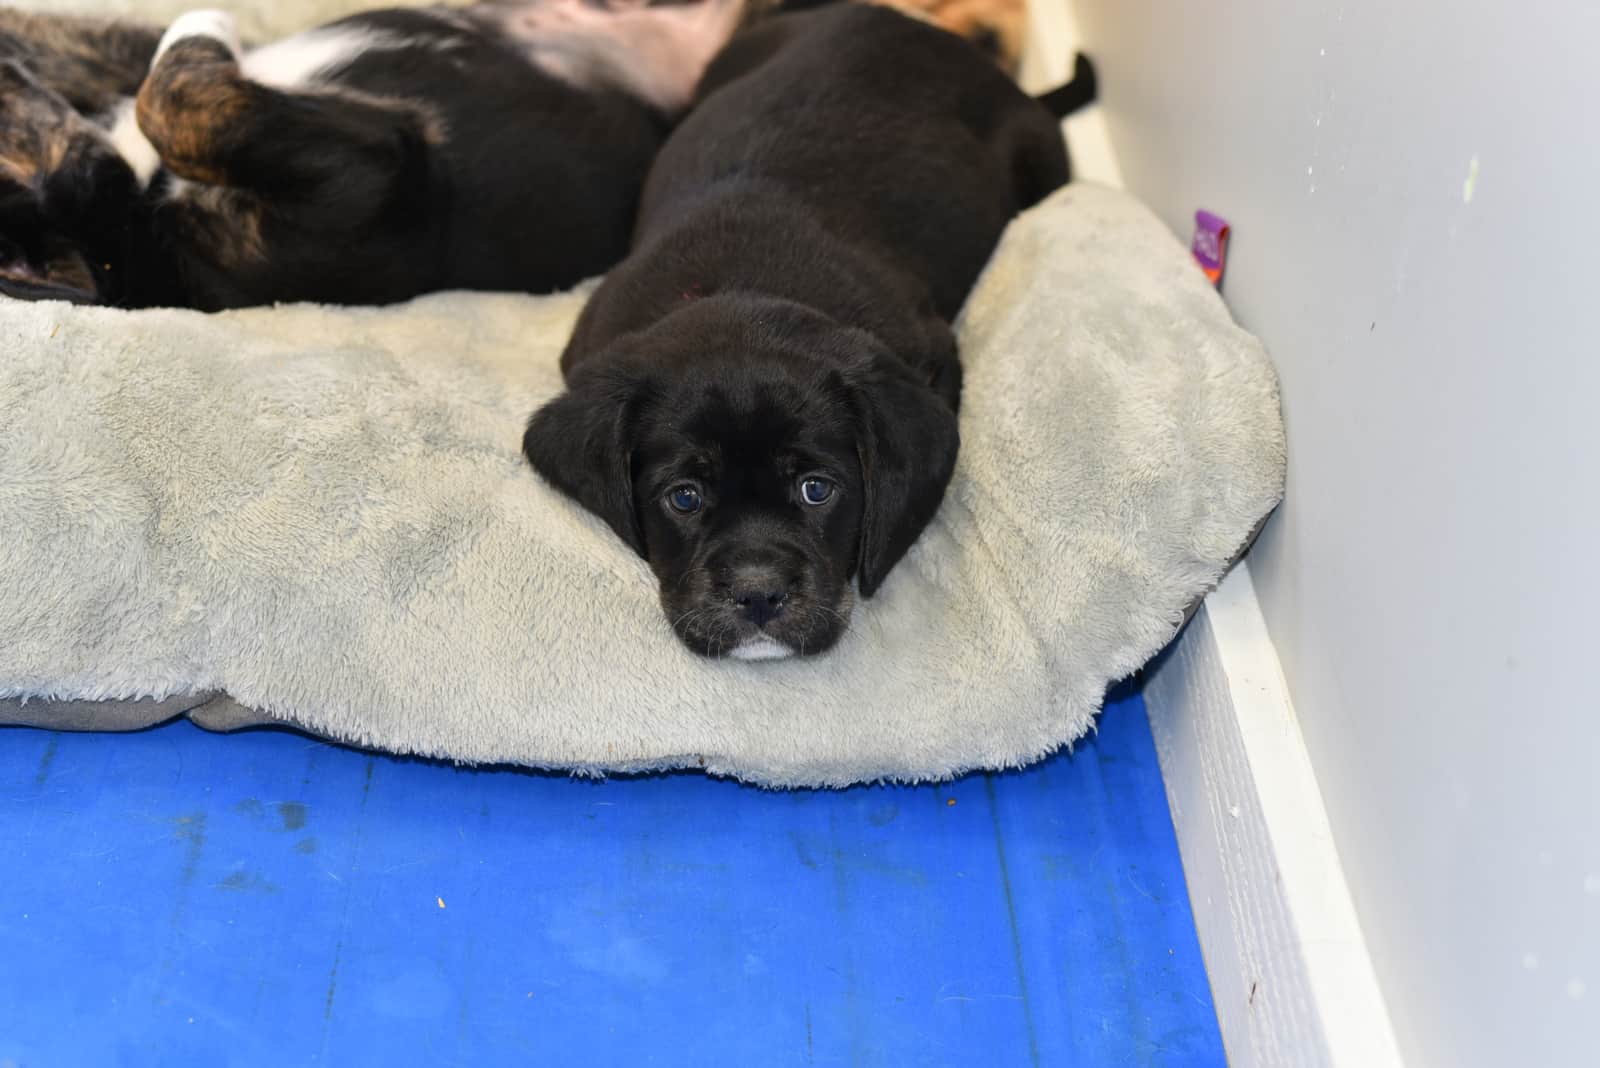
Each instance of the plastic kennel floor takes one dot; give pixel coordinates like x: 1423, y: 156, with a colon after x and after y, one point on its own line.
x: 174, y: 897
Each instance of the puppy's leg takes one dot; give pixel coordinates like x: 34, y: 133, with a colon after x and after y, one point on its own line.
x: 217, y: 27
x: 333, y: 154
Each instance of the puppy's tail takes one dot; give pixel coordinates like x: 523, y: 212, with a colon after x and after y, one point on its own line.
x: 1080, y: 92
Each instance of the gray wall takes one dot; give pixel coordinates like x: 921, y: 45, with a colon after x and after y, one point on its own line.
x: 1415, y: 191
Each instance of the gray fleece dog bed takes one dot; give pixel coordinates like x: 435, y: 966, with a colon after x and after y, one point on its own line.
x: 319, y: 517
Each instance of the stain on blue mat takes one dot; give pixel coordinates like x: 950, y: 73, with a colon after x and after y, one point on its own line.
x: 174, y: 897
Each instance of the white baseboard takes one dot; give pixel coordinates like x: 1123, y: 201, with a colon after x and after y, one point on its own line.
x: 1289, y: 971
x: 1046, y: 63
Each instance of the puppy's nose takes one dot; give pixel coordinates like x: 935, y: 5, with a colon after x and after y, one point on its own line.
x: 759, y: 593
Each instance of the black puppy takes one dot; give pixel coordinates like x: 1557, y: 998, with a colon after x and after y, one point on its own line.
x: 762, y: 398
x: 497, y: 146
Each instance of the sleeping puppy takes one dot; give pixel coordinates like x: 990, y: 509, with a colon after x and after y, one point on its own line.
x: 762, y: 398
x: 498, y: 146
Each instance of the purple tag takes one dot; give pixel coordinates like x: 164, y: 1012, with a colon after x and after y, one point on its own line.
x: 1210, y: 245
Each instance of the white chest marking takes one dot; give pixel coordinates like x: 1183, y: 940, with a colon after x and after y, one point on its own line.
x: 131, y: 143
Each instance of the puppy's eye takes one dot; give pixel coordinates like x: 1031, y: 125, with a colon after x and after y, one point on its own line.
x: 816, y: 491
x: 685, y: 500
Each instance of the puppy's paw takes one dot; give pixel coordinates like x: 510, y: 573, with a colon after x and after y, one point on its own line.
x: 213, y: 25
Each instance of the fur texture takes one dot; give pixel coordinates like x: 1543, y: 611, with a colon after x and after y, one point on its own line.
x: 324, y: 514
x: 500, y: 147
x: 781, y: 326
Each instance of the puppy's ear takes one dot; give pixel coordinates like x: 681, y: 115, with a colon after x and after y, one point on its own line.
x: 22, y: 287
x: 908, y: 447
x: 582, y: 443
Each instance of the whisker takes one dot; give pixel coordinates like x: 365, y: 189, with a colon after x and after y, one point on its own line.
x: 683, y: 579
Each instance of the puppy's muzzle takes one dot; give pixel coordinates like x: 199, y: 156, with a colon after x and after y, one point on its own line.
x: 759, y: 593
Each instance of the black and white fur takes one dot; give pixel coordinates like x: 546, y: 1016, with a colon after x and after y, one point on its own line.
x: 498, y: 146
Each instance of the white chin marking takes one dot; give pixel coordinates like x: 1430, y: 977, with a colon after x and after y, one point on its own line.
x: 762, y: 649
x: 217, y: 25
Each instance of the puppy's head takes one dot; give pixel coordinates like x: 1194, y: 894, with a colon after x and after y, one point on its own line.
x: 760, y: 456
x: 57, y: 241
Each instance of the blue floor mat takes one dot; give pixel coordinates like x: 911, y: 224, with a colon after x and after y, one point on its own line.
x: 175, y: 897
